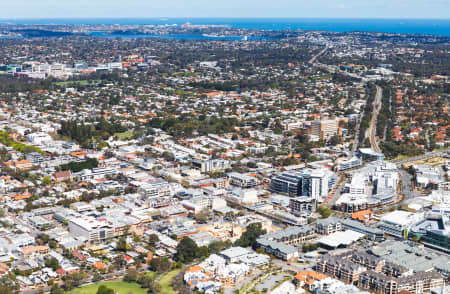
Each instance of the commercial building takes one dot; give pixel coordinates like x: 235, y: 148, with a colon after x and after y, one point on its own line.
x: 342, y: 269
x: 369, y: 154
x: 333, y: 286
x: 324, y: 128
x: 35, y: 157
x: 370, y: 186
x: 421, y: 282
x: 427, y: 176
x: 280, y: 243
x: 246, y: 196
x: 397, y: 223
x: 157, y: 188
x: 234, y: 253
x: 199, y: 203
x: 278, y: 249
x: 348, y: 163
x: 40, y: 222
x: 358, y: 185
x: 211, y: 165
x: 433, y: 231
x: 374, y: 234
x: 314, y: 183
x: 350, y: 203
x: 328, y: 225
x: 409, y: 255
x: 289, y: 182
x: 242, y: 180
x: 95, y: 173
x: 301, y: 206
x: 340, y: 239
x: 317, y: 182
x: 292, y: 235
x: 39, y: 138
x: 367, y: 260
x: 91, y: 229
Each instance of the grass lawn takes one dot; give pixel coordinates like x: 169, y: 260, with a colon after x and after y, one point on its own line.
x: 82, y: 82
x: 440, y: 149
x: 165, y: 281
x: 125, y: 135
x: 119, y: 287
x: 151, y: 274
x: 399, y: 157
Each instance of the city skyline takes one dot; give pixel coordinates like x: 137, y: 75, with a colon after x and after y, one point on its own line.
x: 415, y: 9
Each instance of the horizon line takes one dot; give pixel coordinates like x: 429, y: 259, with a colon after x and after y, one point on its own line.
x: 218, y: 17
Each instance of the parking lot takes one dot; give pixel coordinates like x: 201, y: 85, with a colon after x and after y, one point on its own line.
x: 271, y: 281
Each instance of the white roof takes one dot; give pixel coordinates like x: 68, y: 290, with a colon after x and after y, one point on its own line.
x: 88, y: 223
x: 234, y: 252
x: 341, y: 238
x: 349, y: 198
x: 398, y: 217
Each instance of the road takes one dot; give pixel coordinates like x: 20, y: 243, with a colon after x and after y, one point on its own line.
x: 427, y: 137
x: 373, y: 122
x: 406, y: 187
x: 356, y: 140
x: 241, y: 283
x: 313, y: 59
x: 406, y: 178
x: 399, y: 162
x: 292, y: 266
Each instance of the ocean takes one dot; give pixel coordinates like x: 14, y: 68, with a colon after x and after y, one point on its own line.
x: 438, y: 27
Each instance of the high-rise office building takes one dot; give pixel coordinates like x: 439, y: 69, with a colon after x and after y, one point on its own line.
x: 289, y: 182
x: 314, y: 183
x: 324, y: 128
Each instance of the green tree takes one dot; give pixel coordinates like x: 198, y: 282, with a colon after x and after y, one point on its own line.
x: 153, y: 239
x: 324, y: 211
x: 52, y: 263
x: 104, y: 290
x: 309, y: 247
x: 43, y: 239
x: 201, y: 218
x: 9, y: 285
x: 119, y: 261
x: 122, y: 244
x: 250, y: 235
x: 334, y: 140
x: 56, y: 289
x: 130, y: 276
x: 79, y: 166
x: 186, y: 250
x: 97, y: 277
x: 73, y: 280
x: 217, y: 246
x: 46, y: 180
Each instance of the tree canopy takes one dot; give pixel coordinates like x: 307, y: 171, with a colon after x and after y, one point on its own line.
x: 252, y: 233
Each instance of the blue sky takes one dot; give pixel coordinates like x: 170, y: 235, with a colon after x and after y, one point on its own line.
x: 225, y: 8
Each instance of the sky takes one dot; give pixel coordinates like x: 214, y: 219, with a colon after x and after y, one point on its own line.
x: 436, y: 9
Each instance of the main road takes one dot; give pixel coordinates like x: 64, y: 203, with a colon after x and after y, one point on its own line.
x: 313, y: 62
x: 373, y: 122
x: 313, y: 59
x: 356, y: 140
x: 427, y: 155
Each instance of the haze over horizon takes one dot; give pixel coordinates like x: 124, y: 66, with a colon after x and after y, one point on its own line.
x: 420, y: 9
